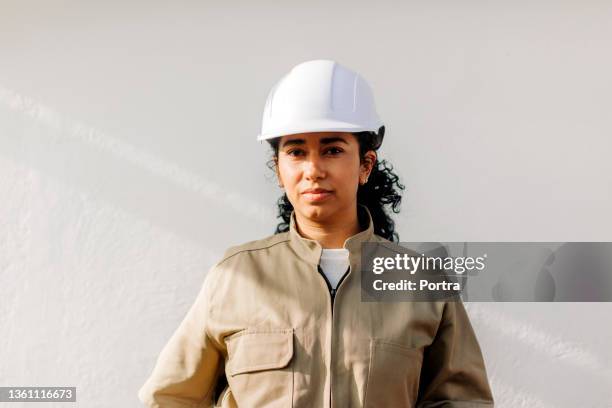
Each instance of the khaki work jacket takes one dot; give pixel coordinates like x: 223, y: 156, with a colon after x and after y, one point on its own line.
x: 266, y: 325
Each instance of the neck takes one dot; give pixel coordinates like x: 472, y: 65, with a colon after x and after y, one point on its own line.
x: 331, y: 233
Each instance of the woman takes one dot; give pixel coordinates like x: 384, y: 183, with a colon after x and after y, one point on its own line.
x: 279, y: 322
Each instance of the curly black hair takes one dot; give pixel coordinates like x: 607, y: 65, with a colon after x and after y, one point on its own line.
x: 381, y: 193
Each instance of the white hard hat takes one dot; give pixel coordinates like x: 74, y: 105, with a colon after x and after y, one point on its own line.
x: 317, y: 96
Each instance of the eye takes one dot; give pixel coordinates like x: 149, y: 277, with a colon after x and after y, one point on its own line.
x: 295, y: 152
x: 333, y: 151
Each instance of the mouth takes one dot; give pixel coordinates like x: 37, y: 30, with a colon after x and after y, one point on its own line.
x: 316, y: 194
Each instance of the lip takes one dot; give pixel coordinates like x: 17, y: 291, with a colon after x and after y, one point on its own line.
x: 316, y: 194
x: 315, y: 190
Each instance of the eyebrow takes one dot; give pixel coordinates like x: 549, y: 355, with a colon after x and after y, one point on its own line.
x: 324, y: 141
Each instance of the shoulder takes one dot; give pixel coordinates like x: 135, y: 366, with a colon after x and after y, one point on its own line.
x: 242, y: 258
x: 392, y: 246
x: 255, y: 247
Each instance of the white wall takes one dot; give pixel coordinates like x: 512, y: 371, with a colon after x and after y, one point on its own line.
x: 128, y: 163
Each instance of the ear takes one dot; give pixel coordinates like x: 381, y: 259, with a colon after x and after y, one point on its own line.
x: 367, y: 164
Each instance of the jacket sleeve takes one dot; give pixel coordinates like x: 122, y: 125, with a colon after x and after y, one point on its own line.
x: 453, y: 374
x: 188, y: 366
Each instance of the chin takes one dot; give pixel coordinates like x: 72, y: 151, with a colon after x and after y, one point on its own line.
x: 317, y: 212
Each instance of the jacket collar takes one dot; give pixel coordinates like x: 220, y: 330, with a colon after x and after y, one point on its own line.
x: 310, y: 250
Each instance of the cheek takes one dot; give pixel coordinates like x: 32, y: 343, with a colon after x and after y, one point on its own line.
x: 290, y: 175
x: 344, y: 177
x: 346, y: 172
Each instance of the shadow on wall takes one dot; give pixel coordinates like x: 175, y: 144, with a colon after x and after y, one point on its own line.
x: 106, y: 166
x: 576, y: 272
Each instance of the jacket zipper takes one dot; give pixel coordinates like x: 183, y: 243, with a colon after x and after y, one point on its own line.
x: 332, y: 292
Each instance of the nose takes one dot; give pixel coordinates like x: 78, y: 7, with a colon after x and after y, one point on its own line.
x: 314, y: 168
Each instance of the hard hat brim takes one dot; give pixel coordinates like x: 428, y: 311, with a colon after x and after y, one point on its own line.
x: 318, y: 125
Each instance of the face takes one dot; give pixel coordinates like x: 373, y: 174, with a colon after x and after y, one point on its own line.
x: 321, y: 172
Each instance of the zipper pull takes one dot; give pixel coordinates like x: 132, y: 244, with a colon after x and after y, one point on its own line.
x: 333, y: 292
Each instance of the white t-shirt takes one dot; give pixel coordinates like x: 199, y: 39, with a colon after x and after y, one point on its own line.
x: 334, y: 263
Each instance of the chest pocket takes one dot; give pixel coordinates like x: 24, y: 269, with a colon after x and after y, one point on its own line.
x: 259, y: 370
x: 393, y: 376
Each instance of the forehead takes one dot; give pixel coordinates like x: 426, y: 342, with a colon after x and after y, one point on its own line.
x: 317, y: 138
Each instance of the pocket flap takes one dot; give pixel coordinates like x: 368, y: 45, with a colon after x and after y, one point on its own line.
x: 259, y: 350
